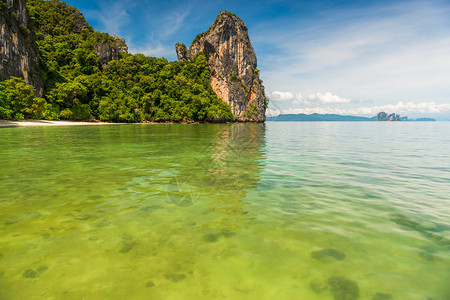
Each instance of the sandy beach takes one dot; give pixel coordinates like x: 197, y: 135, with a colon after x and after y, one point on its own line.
x: 9, y: 123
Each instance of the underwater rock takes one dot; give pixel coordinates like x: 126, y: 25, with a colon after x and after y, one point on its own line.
x: 127, y: 246
x: 227, y: 233
x: 1, y: 255
x: 426, y: 256
x: 430, y: 249
x: 382, y: 296
x: 103, y: 223
x: 343, y: 288
x: 327, y: 255
x: 427, y: 229
x: 244, y: 286
x: 42, y: 269
x: 318, y: 285
x: 175, y: 277
x: 211, y: 237
x: 150, y: 284
x: 30, y: 273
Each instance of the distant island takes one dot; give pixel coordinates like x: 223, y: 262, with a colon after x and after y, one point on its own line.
x: 318, y: 117
x: 382, y: 116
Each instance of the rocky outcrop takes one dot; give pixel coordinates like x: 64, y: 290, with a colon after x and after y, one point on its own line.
x: 106, y: 47
x: 382, y: 116
x: 18, y: 54
x: 109, y: 51
x: 232, y: 62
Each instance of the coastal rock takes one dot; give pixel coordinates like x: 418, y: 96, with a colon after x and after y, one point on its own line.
x: 18, y: 51
x: 232, y: 62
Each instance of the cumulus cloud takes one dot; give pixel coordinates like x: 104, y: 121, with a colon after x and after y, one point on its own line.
x: 383, y: 52
x: 329, y: 98
x: 315, y: 98
x: 282, y: 96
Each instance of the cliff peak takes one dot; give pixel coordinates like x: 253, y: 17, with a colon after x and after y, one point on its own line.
x: 233, y: 66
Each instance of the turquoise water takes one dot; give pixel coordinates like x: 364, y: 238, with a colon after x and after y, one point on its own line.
x: 233, y: 211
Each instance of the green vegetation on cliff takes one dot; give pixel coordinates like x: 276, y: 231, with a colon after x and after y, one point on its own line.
x: 130, y: 88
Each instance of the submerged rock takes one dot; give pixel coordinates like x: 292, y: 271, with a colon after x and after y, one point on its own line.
x: 427, y: 229
x: 382, y: 296
x: 211, y: 237
x: 227, y: 233
x: 42, y: 269
x: 30, y: 273
x: 327, y: 255
x: 426, y: 256
x: 318, y: 285
x: 127, y: 246
x: 150, y: 284
x: 343, y: 288
x: 174, y: 277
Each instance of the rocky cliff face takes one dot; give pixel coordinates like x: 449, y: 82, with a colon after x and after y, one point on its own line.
x: 107, y: 52
x: 232, y: 62
x: 17, y: 47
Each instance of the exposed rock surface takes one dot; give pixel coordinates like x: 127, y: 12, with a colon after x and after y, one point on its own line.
x: 18, y: 48
x: 18, y: 54
x: 232, y: 62
x: 107, y: 52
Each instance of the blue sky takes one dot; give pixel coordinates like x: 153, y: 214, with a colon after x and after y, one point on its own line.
x: 348, y: 57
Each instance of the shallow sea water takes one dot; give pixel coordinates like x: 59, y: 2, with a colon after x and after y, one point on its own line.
x: 236, y: 211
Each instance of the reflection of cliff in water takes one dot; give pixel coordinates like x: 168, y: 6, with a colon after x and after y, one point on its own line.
x: 225, y: 169
x: 232, y: 164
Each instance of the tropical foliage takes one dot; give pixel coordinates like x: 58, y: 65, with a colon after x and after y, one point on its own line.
x: 133, y: 88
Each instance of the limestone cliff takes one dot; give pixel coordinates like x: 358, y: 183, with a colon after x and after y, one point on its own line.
x: 18, y: 48
x: 232, y: 62
x: 106, y: 47
x: 18, y: 53
x: 107, y: 52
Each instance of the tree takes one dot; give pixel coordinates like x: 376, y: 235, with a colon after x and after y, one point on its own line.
x: 22, y: 99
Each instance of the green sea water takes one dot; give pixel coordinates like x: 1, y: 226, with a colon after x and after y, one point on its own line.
x: 227, y: 211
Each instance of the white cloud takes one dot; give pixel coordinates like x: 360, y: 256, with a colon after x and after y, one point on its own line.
x: 315, y: 98
x: 329, y: 98
x: 401, y: 108
x: 282, y: 96
x: 383, y: 53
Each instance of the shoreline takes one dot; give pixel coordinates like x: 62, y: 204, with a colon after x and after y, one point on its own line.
x: 27, y: 123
